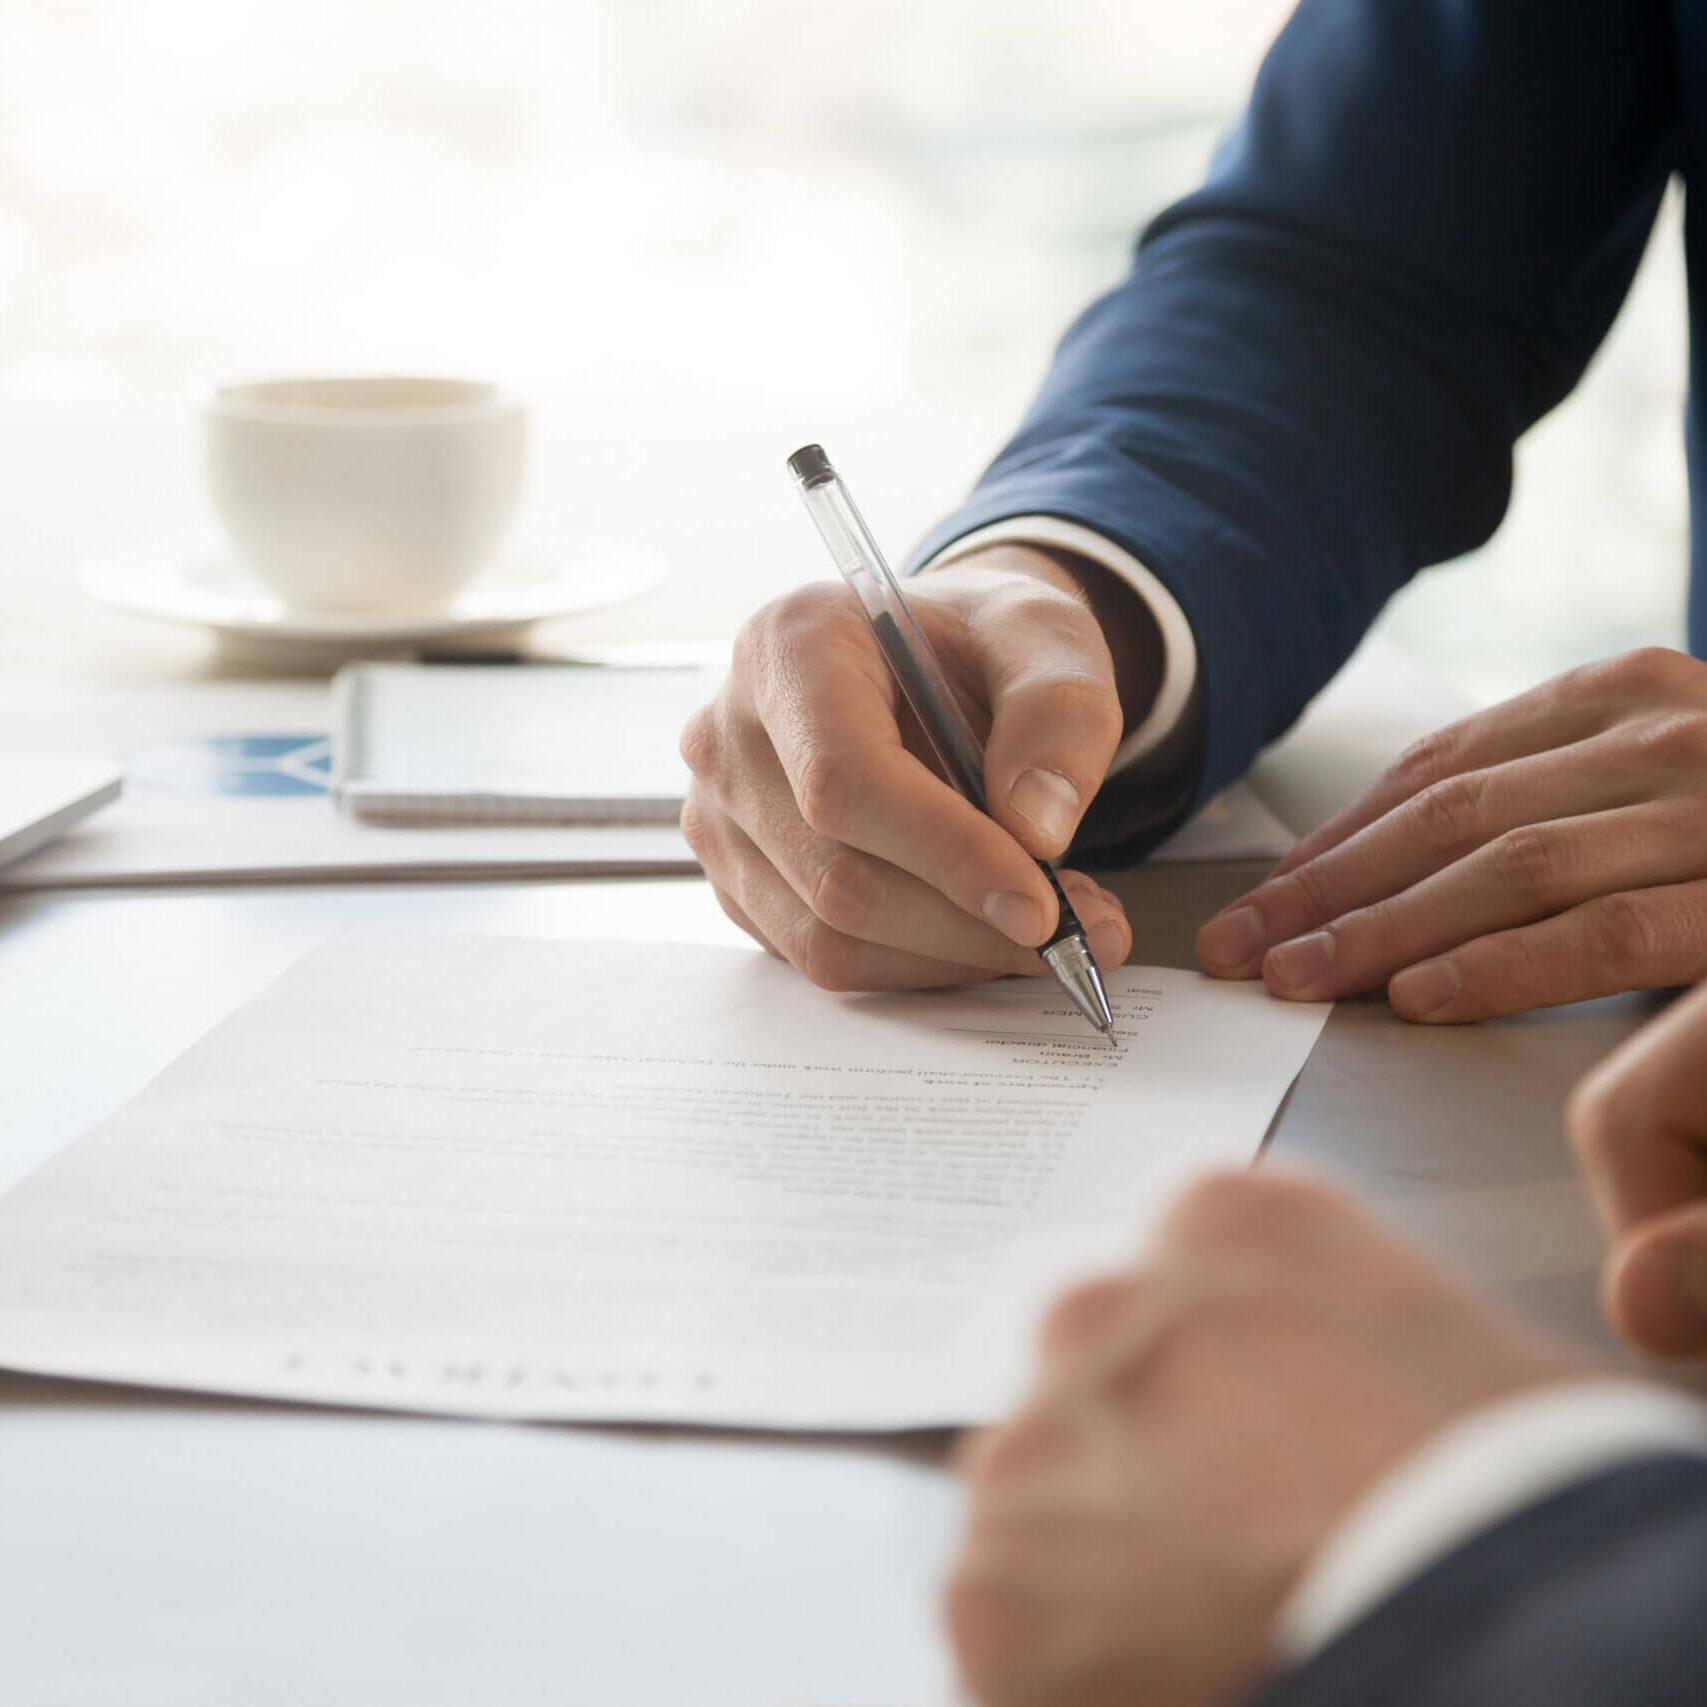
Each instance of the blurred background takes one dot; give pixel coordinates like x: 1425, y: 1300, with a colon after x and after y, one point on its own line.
x: 695, y: 234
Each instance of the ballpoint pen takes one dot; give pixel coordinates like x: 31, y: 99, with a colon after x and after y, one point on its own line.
x: 921, y: 678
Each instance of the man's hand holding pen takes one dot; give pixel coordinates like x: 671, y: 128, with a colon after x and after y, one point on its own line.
x: 817, y: 813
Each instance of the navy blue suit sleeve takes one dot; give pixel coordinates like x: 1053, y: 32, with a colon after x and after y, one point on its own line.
x: 1309, y: 386
x: 1592, y: 1598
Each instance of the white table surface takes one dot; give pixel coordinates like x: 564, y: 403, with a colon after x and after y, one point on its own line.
x: 160, y: 1549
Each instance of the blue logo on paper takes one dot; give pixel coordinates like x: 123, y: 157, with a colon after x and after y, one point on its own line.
x: 235, y: 764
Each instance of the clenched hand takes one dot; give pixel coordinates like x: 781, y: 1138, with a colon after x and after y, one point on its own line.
x: 823, y: 825
x: 1197, y: 1427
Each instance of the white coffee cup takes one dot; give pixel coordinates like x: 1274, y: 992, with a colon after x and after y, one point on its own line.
x: 365, y: 493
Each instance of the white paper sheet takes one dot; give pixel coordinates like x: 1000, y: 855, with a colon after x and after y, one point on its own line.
x: 523, y: 1178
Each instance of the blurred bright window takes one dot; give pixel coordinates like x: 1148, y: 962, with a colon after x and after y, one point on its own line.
x: 667, y: 200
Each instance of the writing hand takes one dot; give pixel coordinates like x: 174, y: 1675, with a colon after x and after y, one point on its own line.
x: 1197, y: 1427
x: 1639, y: 1126
x: 822, y: 824
x: 1547, y: 850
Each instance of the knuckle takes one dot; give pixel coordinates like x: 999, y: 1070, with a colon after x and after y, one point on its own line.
x: 1678, y: 737
x: 779, y: 625
x: 1083, y: 1311
x: 1219, y: 1204
x: 1310, y: 884
x: 1515, y: 975
x: 1024, y: 602
x: 699, y: 744
x: 746, y: 644
x: 1246, y: 1207
x: 802, y: 607
x: 824, y: 956
x: 1625, y: 933
x: 1427, y: 760
x: 1614, y: 677
x: 827, y: 793
x: 1648, y: 669
x: 1030, y: 1440
x: 844, y: 894
x: 1529, y: 861
x: 1085, y: 710
x: 1371, y: 932
x: 753, y: 644
x: 1295, y: 1204
x: 1448, y: 814
x: 697, y: 827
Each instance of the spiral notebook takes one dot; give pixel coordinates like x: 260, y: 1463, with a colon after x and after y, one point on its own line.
x: 512, y: 743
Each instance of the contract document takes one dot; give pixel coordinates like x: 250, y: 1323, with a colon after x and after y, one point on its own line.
x: 649, y: 1182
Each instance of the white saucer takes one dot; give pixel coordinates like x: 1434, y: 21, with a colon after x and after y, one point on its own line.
x: 196, y: 578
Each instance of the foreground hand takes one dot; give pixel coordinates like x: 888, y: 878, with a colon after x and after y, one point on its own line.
x: 1547, y: 850
x: 1639, y: 1125
x: 1197, y: 1428
x: 826, y: 831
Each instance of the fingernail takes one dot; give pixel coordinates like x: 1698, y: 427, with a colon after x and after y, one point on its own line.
x: 1049, y: 803
x: 1016, y: 916
x: 1419, y: 991
x: 1108, y: 944
x: 1301, y: 961
x: 1233, y: 941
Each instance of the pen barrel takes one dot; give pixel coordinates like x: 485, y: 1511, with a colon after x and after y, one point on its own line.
x: 917, y: 669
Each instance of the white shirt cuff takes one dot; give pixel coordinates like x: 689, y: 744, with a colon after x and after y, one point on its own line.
x: 1468, y: 1477
x: 1179, y: 647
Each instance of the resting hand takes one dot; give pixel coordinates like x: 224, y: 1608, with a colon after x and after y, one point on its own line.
x: 826, y: 831
x: 1547, y: 850
x: 1197, y: 1427
x: 1639, y: 1125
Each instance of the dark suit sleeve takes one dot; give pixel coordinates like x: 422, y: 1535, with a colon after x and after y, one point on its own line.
x: 1309, y: 386
x: 1595, y: 1597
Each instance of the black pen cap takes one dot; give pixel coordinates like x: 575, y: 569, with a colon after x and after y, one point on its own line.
x: 810, y: 466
